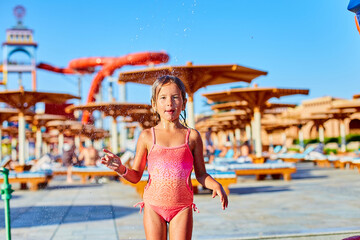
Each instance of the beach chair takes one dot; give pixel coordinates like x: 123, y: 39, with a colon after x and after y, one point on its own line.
x: 36, y: 180
x: 5, y: 161
x: 275, y: 169
x: 86, y: 173
x: 343, y: 162
x: 293, y: 157
x: 356, y: 163
x: 225, y: 178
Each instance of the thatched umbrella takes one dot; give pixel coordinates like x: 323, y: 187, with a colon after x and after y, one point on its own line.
x: 194, y: 77
x: 23, y: 100
x: 271, y: 108
x: 40, y: 121
x: 61, y: 126
x: 256, y: 98
x: 342, y: 109
x: 113, y: 109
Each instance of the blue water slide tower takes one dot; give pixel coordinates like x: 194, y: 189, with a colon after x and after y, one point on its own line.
x: 354, y: 6
x: 19, y: 51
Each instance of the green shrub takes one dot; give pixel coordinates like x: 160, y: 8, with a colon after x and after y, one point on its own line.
x: 332, y: 139
x: 293, y: 149
x: 329, y: 150
x: 352, y: 137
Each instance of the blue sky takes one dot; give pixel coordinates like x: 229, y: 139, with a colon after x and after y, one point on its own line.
x: 301, y: 44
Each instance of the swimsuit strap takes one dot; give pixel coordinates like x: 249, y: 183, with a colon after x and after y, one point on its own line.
x: 187, y: 135
x: 153, y: 135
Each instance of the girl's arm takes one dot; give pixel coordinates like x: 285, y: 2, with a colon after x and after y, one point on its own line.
x: 199, y: 166
x: 135, y: 173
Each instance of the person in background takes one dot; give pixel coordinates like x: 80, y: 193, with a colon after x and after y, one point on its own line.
x: 89, y: 156
x: 209, y: 146
x: 69, y: 157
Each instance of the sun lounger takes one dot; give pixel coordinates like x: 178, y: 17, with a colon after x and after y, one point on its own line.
x: 341, y: 162
x: 276, y: 169
x: 86, y: 173
x: 356, y: 163
x: 5, y: 161
x: 224, y: 178
x: 34, y: 179
x: 293, y: 157
x: 321, y: 160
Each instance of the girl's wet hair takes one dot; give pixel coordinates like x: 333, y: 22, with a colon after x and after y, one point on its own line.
x: 161, y: 81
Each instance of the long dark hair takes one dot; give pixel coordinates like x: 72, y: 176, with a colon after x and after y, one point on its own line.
x: 156, y: 87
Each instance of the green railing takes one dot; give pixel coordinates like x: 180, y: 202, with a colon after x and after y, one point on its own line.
x: 6, y: 196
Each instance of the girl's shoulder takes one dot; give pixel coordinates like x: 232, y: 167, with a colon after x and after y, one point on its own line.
x: 146, y: 133
x: 146, y: 136
x: 194, y: 135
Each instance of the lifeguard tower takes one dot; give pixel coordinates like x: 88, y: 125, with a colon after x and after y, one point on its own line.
x: 18, y: 51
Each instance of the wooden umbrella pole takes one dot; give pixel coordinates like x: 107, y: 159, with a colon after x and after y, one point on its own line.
x: 61, y: 143
x: 301, y: 140
x: 343, y: 135
x: 257, y: 125
x: 38, y: 143
x: 122, y: 125
x: 321, y: 134
x: 114, y: 135
x: 21, y: 137
x: 248, y: 132
x: 190, y: 112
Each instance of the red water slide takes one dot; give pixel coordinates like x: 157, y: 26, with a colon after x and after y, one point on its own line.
x: 109, y: 65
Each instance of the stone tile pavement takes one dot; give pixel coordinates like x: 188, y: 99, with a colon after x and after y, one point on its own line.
x: 319, y: 203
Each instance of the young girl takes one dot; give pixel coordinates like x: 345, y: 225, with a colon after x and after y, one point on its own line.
x: 171, y: 151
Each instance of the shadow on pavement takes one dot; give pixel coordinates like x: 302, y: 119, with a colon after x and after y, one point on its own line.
x: 23, y: 217
x: 262, y: 189
x: 54, y: 187
x: 305, y: 172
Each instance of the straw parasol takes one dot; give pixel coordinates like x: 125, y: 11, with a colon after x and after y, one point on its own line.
x: 113, y: 109
x: 342, y: 109
x: 256, y: 98
x: 40, y: 121
x: 194, y: 77
x: 244, y: 105
x: 269, y: 108
x: 23, y: 100
x: 145, y: 117
x: 61, y: 126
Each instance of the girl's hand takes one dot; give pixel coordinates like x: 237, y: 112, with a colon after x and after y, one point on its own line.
x: 223, y: 197
x: 111, y: 160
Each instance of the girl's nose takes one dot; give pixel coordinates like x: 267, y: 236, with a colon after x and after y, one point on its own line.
x: 169, y: 102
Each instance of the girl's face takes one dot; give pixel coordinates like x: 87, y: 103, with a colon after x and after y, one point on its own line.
x: 169, y: 102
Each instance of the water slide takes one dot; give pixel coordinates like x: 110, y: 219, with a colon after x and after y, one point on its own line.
x: 354, y: 6
x: 109, y: 65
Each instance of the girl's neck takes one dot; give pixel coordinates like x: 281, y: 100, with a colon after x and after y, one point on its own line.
x: 169, y: 125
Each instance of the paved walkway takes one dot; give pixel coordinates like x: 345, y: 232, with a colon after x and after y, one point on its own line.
x: 317, y: 204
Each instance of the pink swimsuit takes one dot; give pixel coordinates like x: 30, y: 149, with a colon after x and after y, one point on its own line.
x: 169, y: 190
